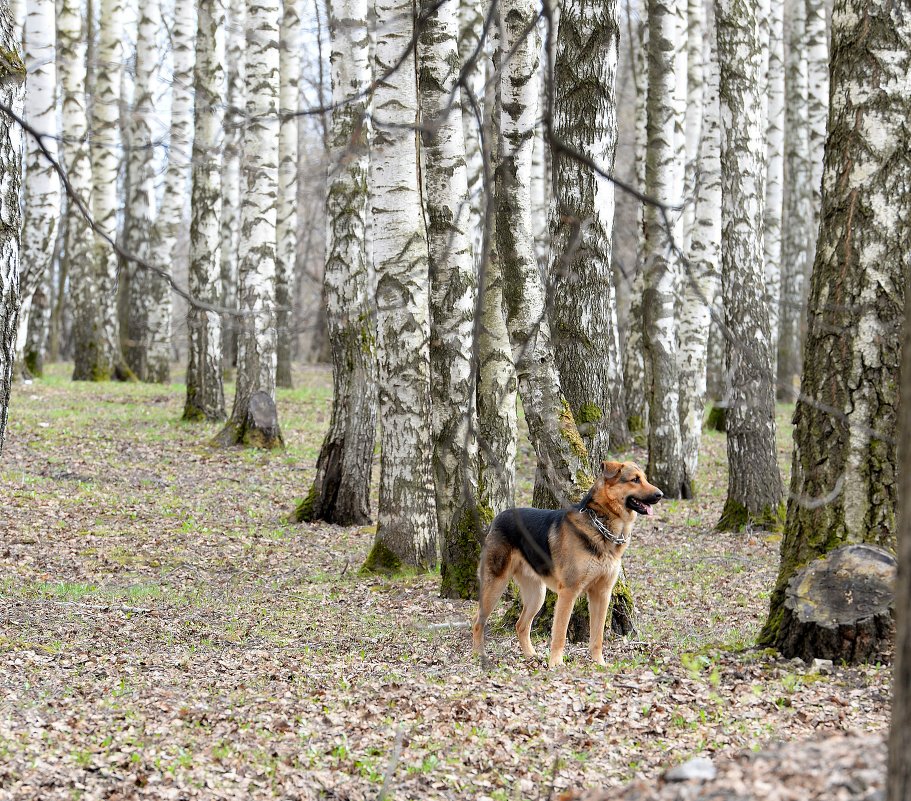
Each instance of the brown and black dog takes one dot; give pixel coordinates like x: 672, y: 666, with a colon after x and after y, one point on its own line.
x: 571, y: 551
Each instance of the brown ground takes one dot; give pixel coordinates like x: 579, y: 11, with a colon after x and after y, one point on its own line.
x: 165, y: 634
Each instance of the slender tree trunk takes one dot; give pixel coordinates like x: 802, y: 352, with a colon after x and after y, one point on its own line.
x: 97, y: 345
x: 406, y: 527
x: 340, y: 492
x: 818, y: 105
x: 584, y: 316
x: 497, y: 383
x: 662, y: 268
x: 38, y: 327
x: 12, y: 94
x: 141, y: 339
x: 471, y: 23
x: 844, y: 478
x: 286, y: 221
x: 453, y: 290
x: 701, y: 285
x: 42, y: 206
x: 233, y: 149
x: 205, y: 392
x: 754, y: 484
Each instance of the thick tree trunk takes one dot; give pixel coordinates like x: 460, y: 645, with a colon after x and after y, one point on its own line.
x: 287, y: 219
x: 42, y: 187
x: 406, y: 527
x: 662, y: 263
x: 143, y: 353
x: 754, y: 484
x: 701, y: 283
x: 584, y: 312
x: 256, y: 278
x: 205, y: 391
x: 797, y: 220
x: 563, y: 466
x: 340, y: 492
x: 844, y: 478
x: 453, y: 295
x: 12, y: 94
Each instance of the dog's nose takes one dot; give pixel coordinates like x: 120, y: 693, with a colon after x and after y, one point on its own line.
x: 659, y: 494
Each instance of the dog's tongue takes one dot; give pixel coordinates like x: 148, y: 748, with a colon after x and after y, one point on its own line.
x: 648, y: 509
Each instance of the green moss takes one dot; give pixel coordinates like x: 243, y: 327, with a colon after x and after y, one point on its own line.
x: 769, y: 634
x: 590, y: 413
x: 736, y: 517
x: 717, y: 420
x: 11, y: 63
x: 304, y: 511
x: 635, y: 424
x: 621, y: 615
x: 570, y: 432
x: 381, y: 559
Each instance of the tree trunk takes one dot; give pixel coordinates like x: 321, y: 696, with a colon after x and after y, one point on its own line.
x: 818, y: 106
x: 453, y: 295
x: 97, y: 355
x: 340, y: 492
x: 584, y: 313
x: 205, y: 391
x: 287, y: 220
x: 42, y: 188
x: 233, y: 148
x: 471, y: 23
x: 142, y: 350
x: 754, y: 484
x: 797, y: 220
x: 701, y: 282
x: 843, y: 484
x: 406, y: 527
x: 662, y: 263
x: 563, y: 466
x: 12, y: 94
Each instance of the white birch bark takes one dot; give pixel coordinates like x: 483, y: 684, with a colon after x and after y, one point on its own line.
x: 584, y: 316
x: 774, y: 203
x: 695, y: 99
x: 406, y: 526
x: 665, y: 128
x: 818, y: 105
x: 286, y: 219
x: 256, y: 346
x: 701, y: 286
x: 453, y: 290
x: 471, y: 24
x: 497, y: 383
x: 141, y: 203
x: 12, y: 94
x: 797, y: 220
x: 42, y: 187
x: 563, y: 468
x: 635, y: 377
x: 231, y: 180
x: 205, y: 391
x: 97, y: 345
x: 754, y: 484
x: 341, y: 488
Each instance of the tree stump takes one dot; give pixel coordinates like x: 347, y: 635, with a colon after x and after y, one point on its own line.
x: 840, y: 606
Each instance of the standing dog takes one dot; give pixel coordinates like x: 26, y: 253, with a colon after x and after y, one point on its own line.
x: 571, y: 551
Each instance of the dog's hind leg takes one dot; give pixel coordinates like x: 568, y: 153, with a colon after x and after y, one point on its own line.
x: 491, y: 589
x: 532, y: 591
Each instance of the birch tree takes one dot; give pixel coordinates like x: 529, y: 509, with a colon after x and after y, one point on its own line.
x: 661, y: 268
x: 12, y: 95
x: 471, y: 23
x: 406, y: 522
x: 817, y: 50
x: 97, y: 345
x: 254, y: 419
x: 754, y: 484
x: 797, y: 220
x: 286, y: 213
x: 340, y: 492
x: 205, y: 391
x: 845, y: 420
x: 42, y: 205
x: 586, y: 342
x: 701, y: 285
x: 453, y: 289
x: 143, y: 353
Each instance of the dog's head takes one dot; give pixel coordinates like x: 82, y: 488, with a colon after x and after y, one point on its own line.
x: 623, y: 490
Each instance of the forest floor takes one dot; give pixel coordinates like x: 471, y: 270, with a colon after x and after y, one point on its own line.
x: 165, y: 633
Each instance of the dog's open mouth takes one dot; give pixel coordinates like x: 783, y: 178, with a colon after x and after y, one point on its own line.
x: 638, y: 506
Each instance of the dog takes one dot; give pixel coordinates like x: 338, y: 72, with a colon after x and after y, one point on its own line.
x: 570, y: 551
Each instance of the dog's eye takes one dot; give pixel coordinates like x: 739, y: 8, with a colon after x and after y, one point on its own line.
x: 635, y: 480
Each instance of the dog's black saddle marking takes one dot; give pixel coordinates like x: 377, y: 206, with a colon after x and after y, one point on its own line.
x: 527, y: 530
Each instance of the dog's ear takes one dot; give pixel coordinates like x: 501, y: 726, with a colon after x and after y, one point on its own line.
x: 610, y: 470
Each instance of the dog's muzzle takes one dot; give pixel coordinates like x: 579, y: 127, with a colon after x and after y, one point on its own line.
x: 643, y: 506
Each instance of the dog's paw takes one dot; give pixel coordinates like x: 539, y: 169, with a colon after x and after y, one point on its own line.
x: 555, y: 663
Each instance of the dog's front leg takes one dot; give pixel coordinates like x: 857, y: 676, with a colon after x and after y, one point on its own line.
x: 598, y: 603
x: 562, y: 611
